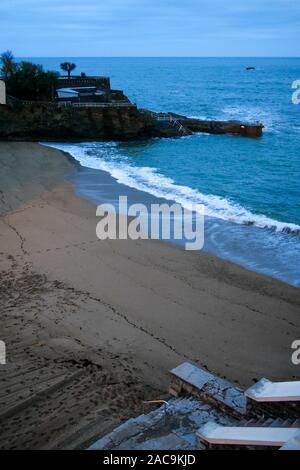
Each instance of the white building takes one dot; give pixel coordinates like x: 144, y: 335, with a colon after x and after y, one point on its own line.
x: 2, y: 92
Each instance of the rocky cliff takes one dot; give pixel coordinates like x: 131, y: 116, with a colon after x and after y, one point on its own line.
x: 44, y: 121
x: 35, y: 121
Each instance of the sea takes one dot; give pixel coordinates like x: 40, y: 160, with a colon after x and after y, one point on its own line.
x: 250, y: 188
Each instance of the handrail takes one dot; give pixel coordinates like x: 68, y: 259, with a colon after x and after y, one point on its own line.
x: 173, y: 120
x: 156, y: 402
x: 71, y: 103
x: 94, y: 104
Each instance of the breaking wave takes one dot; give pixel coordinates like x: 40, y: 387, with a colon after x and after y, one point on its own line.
x: 149, y: 180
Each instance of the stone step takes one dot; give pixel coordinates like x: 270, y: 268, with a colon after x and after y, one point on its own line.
x: 279, y: 422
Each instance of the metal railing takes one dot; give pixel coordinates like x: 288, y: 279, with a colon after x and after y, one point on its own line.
x: 71, y: 103
x: 174, y: 122
x: 95, y: 105
x: 157, y: 402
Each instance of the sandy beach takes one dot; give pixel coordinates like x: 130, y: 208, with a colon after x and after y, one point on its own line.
x: 93, y: 327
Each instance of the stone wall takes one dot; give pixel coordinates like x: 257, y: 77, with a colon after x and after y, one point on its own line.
x: 100, y: 82
x: 38, y: 121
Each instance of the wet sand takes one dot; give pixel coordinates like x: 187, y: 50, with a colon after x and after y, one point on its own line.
x: 92, y: 327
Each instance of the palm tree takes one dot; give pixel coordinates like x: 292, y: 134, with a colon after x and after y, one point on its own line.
x: 68, y: 67
x: 8, y: 66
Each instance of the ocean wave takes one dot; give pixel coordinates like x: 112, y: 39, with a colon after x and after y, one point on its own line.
x: 149, y: 180
x: 249, y: 114
x: 197, y: 116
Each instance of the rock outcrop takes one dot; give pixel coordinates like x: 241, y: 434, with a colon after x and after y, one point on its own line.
x: 117, y: 120
x: 44, y: 121
x: 171, y: 122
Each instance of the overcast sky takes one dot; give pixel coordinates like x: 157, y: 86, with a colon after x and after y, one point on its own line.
x: 150, y: 27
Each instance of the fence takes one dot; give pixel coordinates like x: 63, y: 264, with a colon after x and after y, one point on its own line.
x: 67, y: 104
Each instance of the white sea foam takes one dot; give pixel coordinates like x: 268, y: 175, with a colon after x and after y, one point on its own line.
x: 203, y: 118
x: 148, y: 179
x: 249, y: 114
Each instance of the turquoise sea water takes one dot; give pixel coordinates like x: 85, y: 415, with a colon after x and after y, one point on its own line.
x: 250, y: 187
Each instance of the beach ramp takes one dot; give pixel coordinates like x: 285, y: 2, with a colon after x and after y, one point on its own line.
x: 215, y: 435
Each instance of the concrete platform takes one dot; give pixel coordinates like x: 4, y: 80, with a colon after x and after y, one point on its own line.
x: 213, y: 433
x: 267, y: 391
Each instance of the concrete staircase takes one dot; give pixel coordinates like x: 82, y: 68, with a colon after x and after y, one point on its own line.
x: 174, y: 428
x: 170, y: 125
x: 217, y: 405
x: 180, y: 128
x: 271, y: 422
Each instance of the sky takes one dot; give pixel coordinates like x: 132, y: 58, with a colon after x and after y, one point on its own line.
x: 108, y: 28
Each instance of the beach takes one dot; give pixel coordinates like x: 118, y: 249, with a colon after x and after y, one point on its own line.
x: 92, y: 327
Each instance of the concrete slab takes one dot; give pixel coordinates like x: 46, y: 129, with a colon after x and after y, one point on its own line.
x: 292, y: 444
x: 213, y: 433
x: 267, y: 391
x: 209, y: 387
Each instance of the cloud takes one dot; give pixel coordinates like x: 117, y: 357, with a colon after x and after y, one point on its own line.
x: 156, y: 27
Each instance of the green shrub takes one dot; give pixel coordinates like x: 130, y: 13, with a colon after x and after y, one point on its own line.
x: 26, y: 80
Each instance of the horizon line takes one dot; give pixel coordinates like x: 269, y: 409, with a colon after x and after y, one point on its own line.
x: 153, y: 57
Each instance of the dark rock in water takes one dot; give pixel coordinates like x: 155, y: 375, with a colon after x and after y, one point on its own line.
x: 217, y: 127
x: 171, y: 124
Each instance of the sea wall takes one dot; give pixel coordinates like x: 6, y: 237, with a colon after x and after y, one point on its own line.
x: 117, y: 120
x: 46, y: 121
x: 101, y: 82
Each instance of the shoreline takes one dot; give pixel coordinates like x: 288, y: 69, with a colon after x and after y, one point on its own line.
x: 245, y: 245
x: 100, y: 324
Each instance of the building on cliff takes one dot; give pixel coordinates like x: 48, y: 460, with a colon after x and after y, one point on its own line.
x: 87, y: 108
x: 84, y: 89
